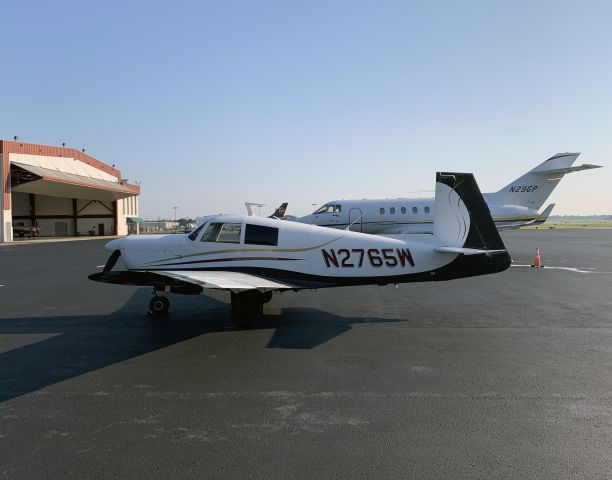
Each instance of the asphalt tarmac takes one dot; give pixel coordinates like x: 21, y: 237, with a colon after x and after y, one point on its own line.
x: 503, y: 376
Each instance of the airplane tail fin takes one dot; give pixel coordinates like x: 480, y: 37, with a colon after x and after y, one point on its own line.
x: 533, y: 188
x: 463, y: 225
x: 280, y: 211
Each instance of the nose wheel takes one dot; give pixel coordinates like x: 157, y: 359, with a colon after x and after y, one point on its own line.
x: 159, y: 306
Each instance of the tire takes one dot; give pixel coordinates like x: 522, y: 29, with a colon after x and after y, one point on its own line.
x: 247, y: 308
x: 267, y: 297
x: 159, y: 306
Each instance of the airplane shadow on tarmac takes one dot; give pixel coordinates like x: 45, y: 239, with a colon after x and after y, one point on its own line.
x: 82, y: 344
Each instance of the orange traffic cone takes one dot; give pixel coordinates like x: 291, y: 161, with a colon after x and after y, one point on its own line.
x: 537, y: 261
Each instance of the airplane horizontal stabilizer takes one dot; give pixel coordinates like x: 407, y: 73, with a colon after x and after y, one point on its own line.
x: 468, y: 251
x: 563, y: 171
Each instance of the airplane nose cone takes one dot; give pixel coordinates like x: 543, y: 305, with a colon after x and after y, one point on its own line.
x: 113, y: 245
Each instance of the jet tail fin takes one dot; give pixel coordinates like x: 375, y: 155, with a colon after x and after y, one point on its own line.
x: 533, y: 188
x: 280, y: 211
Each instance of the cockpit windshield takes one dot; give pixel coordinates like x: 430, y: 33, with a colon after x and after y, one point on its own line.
x: 328, y: 209
x: 222, y: 232
x: 194, y: 233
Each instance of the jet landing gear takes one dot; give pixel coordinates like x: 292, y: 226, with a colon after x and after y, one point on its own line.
x: 159, y: 306
x: 247, y: 308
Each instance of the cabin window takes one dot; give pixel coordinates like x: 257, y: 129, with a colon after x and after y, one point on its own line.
x: 337, y: 208
x: 403, y: 210
x: 222, y: 232
x: 323, y: 209
x: 382, y: 211
x: 415, y: 210
x: 426, y: 209
x: 392, y: 210
x: 260, y: 235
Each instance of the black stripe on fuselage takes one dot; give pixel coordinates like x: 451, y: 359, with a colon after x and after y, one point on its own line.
x: 461, y: 267
x: 232, y: 259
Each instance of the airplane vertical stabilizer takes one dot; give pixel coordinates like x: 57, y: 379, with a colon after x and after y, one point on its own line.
x: 532, y: 189
x: 462, y: 218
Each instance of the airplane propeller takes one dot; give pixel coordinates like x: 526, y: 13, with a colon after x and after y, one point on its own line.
x: 112, y: 260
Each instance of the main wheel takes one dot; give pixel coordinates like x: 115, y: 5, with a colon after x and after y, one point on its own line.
x: 266, y: 297
x: 247, y: 308
x: 159, y: 306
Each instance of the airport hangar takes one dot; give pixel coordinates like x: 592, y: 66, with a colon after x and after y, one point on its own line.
x: 64, y: 192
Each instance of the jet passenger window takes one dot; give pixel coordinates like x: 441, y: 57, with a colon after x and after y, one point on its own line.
x: 426, y: 209
x: 403, y: 209
x: 415, y: 209
x: 222, y: 232
x: 392, y: 210
x: 382, y: 211
x: 260, y: 235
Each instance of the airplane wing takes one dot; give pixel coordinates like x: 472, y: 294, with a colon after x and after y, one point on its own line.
x: 544, y: 215
x: 225, y: 280
x: 190, y: 281
x: 537, y: 221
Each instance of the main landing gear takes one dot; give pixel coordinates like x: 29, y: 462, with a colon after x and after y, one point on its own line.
x: 159, y: 306
x: 247, y: 307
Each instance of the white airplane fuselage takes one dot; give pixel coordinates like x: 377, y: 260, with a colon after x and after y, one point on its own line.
x: 310, y: 251
x: 515, y: 205
x: 403, y: 215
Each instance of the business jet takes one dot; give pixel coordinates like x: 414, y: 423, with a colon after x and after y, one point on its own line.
x: 251, y: 256
x: 515, y: 205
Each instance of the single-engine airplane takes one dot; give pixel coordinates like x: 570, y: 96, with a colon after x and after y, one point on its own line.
x: 253, y: 256
x: 515, y: 205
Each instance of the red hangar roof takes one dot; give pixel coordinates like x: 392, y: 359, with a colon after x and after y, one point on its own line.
x: 60, y: 172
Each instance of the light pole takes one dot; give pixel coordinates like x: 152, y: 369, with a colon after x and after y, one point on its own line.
x: 314, y: 207
x: 175, y: 225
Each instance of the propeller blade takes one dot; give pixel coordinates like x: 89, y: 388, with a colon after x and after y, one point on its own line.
x: 110, y: 263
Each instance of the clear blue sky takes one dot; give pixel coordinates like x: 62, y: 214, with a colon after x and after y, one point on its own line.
x: 210, y: 104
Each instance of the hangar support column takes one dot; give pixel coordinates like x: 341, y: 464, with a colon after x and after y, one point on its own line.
x: 6, y: 218
x: 75, y: 218
x: 32, y: 209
